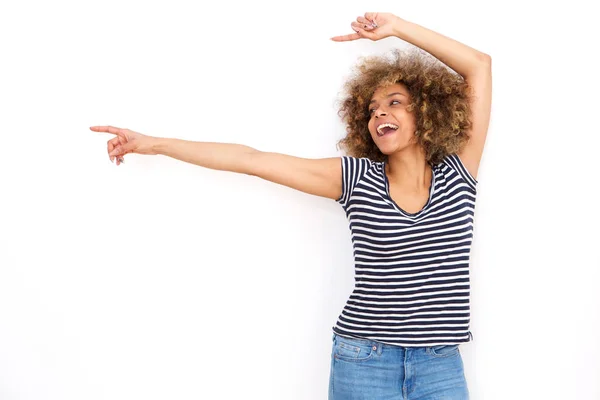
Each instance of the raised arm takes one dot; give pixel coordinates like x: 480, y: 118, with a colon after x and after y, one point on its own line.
x: 474, y: 66
x: 320, y: 177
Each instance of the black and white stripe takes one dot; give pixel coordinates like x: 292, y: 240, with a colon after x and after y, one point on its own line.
x: 411, y: 270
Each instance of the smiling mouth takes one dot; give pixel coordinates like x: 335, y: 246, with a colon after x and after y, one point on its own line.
x: 384, y: 129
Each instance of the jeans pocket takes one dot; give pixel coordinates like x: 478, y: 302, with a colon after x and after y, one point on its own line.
x: 444, y: 350
x: 355, y: 350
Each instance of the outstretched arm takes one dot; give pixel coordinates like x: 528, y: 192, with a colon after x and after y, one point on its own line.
x: 474, y: 66
x: 319, y: 176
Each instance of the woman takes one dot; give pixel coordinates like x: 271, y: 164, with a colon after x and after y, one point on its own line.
x: 416, y: 132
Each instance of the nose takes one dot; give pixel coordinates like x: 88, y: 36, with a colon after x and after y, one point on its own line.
x: 380, y: 112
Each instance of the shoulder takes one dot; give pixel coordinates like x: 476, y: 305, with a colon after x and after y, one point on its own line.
x: 354, y: 171
x: 358, y: 165
x: 455, y: 165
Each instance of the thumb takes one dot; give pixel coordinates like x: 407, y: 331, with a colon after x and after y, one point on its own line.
x: 365, y: 34
x: 123, y: 149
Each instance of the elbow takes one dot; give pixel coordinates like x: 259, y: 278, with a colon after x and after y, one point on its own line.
x: 485, y: 59
x: 481, y: 64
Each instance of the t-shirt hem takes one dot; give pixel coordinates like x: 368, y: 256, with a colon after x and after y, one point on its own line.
x: 404, y: 344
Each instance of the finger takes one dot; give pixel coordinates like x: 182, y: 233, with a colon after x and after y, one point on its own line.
x: 122, y: 149
x: 113, y: 144
x: 110, y: 146
x: 109, y: 129
x: 119, y: 155
x: 353, y: 36
x: 357, y: 25
x: 118, y: 151
x: 365, y: 23
x: 361, y: 32
x: 372, y: 17
x: 345, y: 38
x: 122, y: 140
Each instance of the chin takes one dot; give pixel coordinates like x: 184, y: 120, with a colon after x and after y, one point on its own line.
x: 390, y: 150
x: 396, y: 148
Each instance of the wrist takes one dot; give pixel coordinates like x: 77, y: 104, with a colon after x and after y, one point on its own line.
x: 398, y: 26
x: 158, y: 145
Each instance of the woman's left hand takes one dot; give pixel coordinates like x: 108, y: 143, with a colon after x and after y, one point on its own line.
x: 372, y: 26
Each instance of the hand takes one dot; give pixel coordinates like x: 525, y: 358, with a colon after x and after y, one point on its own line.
x: 372, y: 26
x: 127, y: 141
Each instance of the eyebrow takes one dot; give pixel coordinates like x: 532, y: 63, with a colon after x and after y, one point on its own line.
x: 389, y: 95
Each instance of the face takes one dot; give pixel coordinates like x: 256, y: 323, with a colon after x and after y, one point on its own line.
x: 391, y: 126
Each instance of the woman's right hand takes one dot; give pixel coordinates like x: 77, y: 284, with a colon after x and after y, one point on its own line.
x: 126, y: 141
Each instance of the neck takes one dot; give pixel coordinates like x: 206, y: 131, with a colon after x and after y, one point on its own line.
x: 409, y: 169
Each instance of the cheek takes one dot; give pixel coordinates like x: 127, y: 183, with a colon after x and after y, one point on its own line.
x: 371, y: 126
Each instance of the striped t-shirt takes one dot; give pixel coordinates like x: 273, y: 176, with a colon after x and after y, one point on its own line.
x: 411, y: 270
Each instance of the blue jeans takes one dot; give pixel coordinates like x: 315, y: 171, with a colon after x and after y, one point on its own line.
x: 365, y: 369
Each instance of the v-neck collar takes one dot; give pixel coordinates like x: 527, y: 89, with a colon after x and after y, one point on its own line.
x: 431, y: 190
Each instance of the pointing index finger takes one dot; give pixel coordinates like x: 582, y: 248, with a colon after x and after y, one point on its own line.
x: 109, y: 129
x: 345, y: 38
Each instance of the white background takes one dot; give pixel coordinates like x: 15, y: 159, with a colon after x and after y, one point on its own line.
x: 159, y: 279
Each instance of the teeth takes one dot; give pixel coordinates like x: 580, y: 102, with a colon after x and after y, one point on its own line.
x: 380, y: 127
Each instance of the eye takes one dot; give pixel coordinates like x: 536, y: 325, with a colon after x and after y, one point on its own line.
x: 391, y: 103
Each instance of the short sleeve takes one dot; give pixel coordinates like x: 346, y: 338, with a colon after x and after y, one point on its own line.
x: 353, y: 170
x: 454, y: 161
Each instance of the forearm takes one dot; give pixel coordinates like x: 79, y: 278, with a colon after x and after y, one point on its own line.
x: 219, y: 156
x: 458, y: 56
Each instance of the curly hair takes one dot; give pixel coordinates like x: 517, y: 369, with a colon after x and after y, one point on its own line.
x: 440, y: 102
